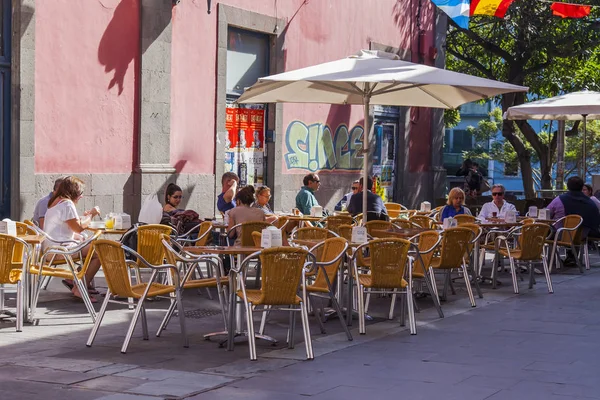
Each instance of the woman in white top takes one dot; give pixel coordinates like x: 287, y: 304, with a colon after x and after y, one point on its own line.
x: 62, y: 223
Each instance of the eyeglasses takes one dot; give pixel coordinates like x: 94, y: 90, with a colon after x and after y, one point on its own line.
x: 354, y: 188
x: 316, y: 181
x: 268, y: 196
x: 177, y: 197
x: 497, y: 194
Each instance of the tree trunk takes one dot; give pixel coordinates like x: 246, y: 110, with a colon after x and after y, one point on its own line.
x: 545, y: 168
x: 524, y: 158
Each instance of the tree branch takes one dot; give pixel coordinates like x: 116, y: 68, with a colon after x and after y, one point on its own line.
x: 471, y: 61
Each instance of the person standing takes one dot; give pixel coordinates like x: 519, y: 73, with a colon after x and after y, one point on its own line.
x: 305, y: 199
x: 39, y: 212
x: 226, y: 200
x: 498, y: 207
x: 375, y: 208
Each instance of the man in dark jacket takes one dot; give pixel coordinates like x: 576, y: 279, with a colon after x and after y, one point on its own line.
x: 576, y: 202
x: 375, y: 208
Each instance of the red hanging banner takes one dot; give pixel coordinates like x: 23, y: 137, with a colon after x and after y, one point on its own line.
x: 568, y: 10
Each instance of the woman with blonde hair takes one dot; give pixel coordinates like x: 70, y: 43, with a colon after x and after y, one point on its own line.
x: 62, y: 223
x: 456, y: 199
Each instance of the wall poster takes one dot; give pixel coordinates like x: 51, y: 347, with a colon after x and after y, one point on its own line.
x: 245, y: 144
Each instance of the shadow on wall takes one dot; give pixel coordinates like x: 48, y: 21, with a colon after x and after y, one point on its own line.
x: 25, y: 18
x: 120, y: 43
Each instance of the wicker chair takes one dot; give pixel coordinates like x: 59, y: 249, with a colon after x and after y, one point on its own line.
x: 312, y: 233
x: 389, y: 258
x: 328, y: 266
x: 149, y: 245
x: 404, y: 223
x: 284, y: 270
x: 40, y: 269
x: 454, y: 246
x: 12, y: 248
x: 394, y: 209
x: 530, y: 240
x: 204, y: 230
x: 116, y: 272
x: 333, y: 222
x: 464, y: 219
x: 567, y: 236
x: 245, y: 231
x: 189, y: 263
x: 377, y: 226
x: 423, y: 221
x: 471, y: 258
x: 426, y: 243
x: 345, y: 231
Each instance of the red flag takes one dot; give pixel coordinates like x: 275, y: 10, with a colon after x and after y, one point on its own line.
x: 568, y: 10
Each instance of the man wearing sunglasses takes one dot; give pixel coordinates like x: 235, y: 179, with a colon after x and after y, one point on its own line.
x: 498, y: 206
x: 305, y: 199
x: 375, y: 208
x: 347, y: 196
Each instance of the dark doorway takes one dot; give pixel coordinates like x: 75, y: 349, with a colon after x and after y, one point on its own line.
x: 5, y: 57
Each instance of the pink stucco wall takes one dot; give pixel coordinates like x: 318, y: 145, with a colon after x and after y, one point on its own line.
x: 85, y: 85
x: 320, y: 31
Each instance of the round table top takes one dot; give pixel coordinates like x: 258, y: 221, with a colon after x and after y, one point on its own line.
x: 401, y: 233
x: 302, y: 218
x: 32, y: 239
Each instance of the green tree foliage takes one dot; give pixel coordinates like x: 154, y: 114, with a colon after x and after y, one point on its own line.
x: 530, y: 47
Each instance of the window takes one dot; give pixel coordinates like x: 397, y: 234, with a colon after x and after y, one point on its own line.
x: 247, y: 59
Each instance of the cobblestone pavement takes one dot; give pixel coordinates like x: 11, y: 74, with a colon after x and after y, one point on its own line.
x: 532, y: 345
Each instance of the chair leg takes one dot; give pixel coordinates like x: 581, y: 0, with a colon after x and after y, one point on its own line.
x: 85, y: 297
x: 338, y: 309
x: 98, y: 320
x: 433, y: 283
x: 514, y: 275
x: 367, y: 300
x: 531, y: 278
x: 577, y: 259
x: 306, y: 330
x: 392, y: 304
x: 46, y: 282
x: 144, y: 324
x: 476, y: 283
x: 292, y: 329
x: 318, y: 313
x: 586, y: 255
x: 553, y: 256
x: 361, y: 309
x: 263, y: 320
x: 547, y: 273
x: 134, y: 320
x: 181, y: 313
x: 433, y: 290
x: 167, y: 318
x: 411, y: 310
x: 20, y: 299
x: 468, y: 284
x: 403, y: 311
x: 251, y: 337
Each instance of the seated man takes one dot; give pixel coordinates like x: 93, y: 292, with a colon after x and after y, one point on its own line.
x: 305, y: 199
x: 225, y: 201
x: 497, y: 205
x: 576, y: 202
x: 346, y: 198
x: 39, y: 212
x: 375, y: 208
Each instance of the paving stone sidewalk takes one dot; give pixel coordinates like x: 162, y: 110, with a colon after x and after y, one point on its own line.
x: 533, y: 345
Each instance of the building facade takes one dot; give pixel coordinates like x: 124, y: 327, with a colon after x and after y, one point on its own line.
x: 130, y: 95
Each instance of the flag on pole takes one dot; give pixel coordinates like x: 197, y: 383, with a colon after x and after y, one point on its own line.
x: 568, y: 10
x: 496, y: 8
x: 457, y: 10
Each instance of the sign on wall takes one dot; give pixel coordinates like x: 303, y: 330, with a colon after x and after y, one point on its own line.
x: 244, y: 144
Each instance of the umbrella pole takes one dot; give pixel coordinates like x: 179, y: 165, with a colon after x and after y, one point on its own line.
x: 584, y: 168
x: 366, y: 139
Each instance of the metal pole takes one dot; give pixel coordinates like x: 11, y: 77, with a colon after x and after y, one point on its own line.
x: 560, y: 156
x: 584, y: 167
x: 366, y: 139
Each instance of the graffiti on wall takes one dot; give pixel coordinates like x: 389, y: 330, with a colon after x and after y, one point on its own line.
x: 314, y: 147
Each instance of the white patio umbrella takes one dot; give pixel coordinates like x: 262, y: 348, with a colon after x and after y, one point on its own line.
x: 374, y: 77
x: 576, y: 106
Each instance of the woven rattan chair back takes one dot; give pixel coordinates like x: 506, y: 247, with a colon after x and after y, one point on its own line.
x: 422, y: 220
x: 402, y: 223
x: 8, y: 248
x: 454, y: 246
x: 203, y: 236
x: 247, y: 228
x: 257, y: 239
x: 532, y: 240
x: 333, y: 222
x: 377, y: 226
x: 571, y: 221
x: 426, y: 241
x: 476, y: 229
x: 388, y: 262
x: 281, y: 273
x: 528, y: 221
x: 345, y: 231
x: 112, y: 258
x: 22, y: 229
x: 311, y: 233
x: 330, y: 251
x: 464, y: 219
x: 394, y: 209
x: 148, y: 242
x: 280, y: 222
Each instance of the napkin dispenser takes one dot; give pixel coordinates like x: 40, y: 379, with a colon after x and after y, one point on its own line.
x: 544, y: 213
x: 450, y: 223
x: 316, y: 211
x: 359, y: 234
x: 271, y: 237
x: 510, y: 217
x: 122, y: 221
x: 425, y: 206
x: 533, y: 212
x: 8, y: 227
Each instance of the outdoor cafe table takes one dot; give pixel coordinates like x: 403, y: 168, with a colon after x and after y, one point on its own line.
x: 235, y: 313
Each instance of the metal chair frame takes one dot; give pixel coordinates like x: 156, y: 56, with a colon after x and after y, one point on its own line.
x: 9, y: 265
x: 572, y: 234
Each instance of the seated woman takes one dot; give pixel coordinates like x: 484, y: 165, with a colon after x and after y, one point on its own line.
x: 263, y: 195
x: 243, y: 212
x: 180, y: 219
x: 62, y: 223
x: 456, y: 198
